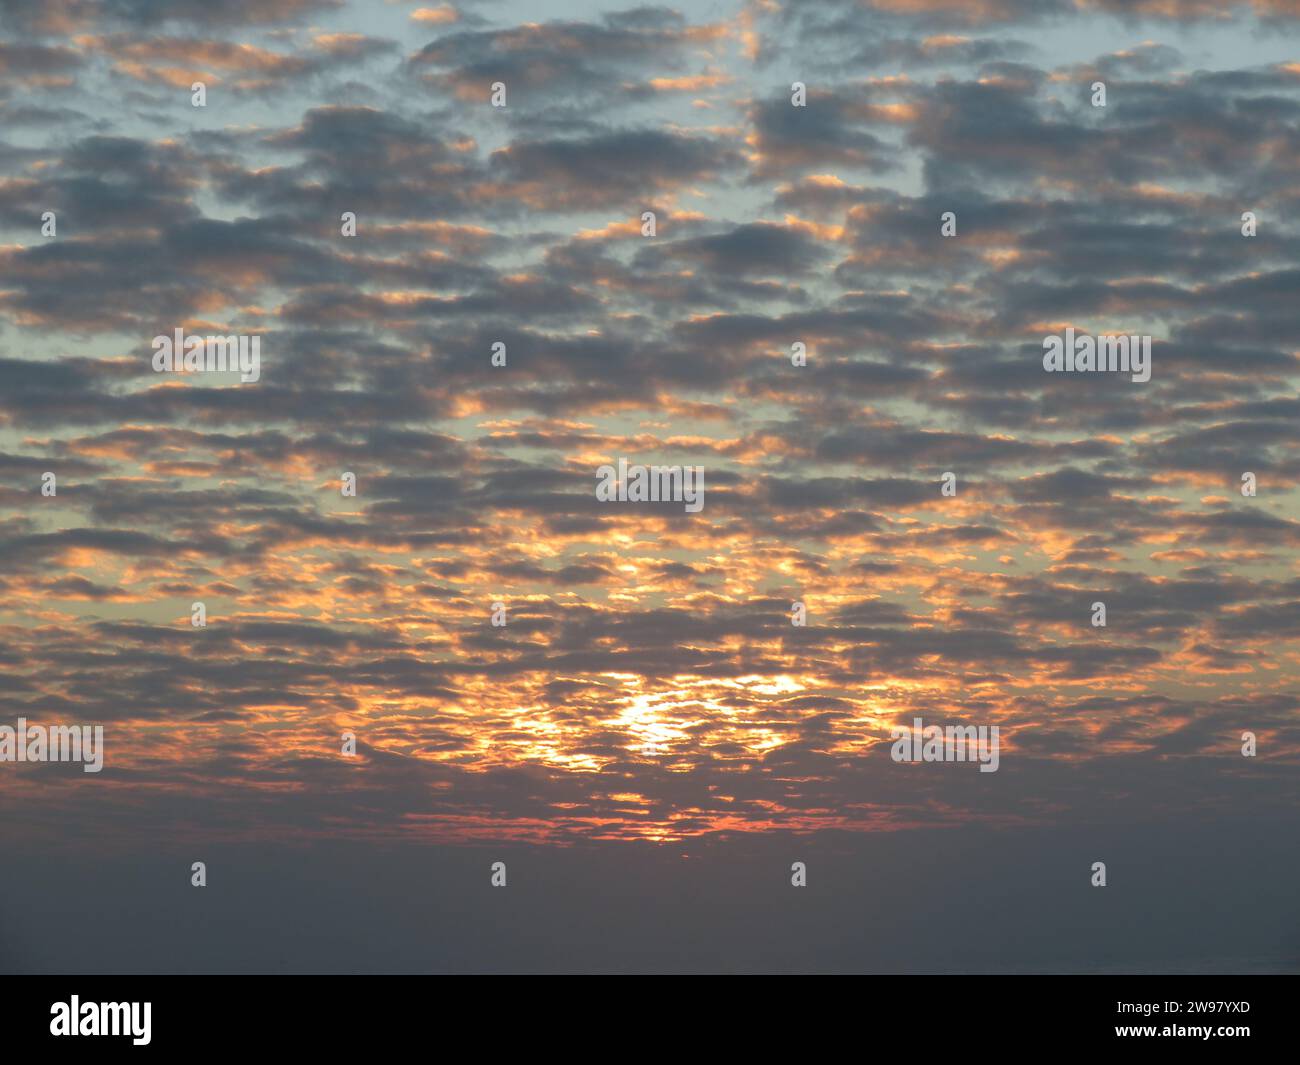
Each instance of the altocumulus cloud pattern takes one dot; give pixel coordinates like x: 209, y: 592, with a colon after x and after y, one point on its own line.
x: 742, y: 485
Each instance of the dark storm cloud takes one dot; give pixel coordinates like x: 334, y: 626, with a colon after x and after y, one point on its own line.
x: 547, y: 61
x: 613, y: 168
x: 760, y: 249
x: 828, y: 133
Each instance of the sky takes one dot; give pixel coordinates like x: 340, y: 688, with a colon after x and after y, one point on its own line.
x: 649, y: 741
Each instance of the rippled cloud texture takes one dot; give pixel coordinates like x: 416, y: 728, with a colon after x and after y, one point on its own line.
x: 648, y: 684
